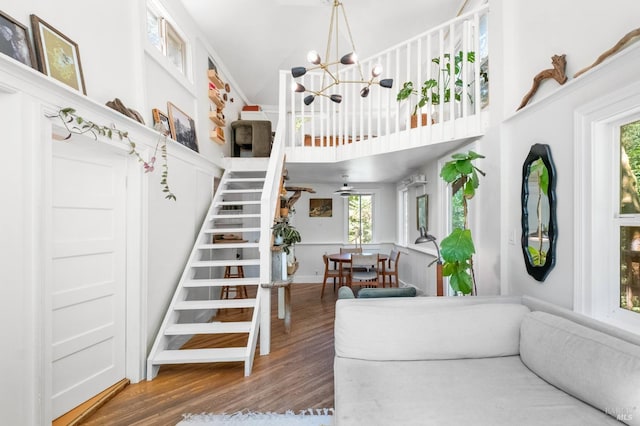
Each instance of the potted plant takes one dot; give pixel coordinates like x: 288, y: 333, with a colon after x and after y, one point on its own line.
x: 430, y: 89
x: 284, y: 207
x: 285, y: 235
x: 406, y: 92
x: 457, y: 248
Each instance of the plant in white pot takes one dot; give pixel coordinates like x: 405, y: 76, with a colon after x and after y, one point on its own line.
x: 285, y: 235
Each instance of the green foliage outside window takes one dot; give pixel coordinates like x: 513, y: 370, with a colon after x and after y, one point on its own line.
x: 630, y: 140
x: 360, y: 218
x: 457, y: 211
x: 629, y: 235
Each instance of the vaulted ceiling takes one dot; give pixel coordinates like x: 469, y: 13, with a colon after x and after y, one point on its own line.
x: 257, y: 38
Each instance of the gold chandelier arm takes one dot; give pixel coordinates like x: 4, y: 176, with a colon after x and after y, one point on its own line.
x: 353, y: 45
x: 334, y: 19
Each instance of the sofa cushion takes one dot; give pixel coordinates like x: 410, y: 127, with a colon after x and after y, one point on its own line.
x: 599, y: 369
x: 478, y: 392
x: 410, y: 331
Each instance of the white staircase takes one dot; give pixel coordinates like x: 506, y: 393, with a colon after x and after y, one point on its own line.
x: 235, y: 209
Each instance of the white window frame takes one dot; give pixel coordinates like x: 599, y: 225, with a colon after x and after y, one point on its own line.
x: 597, y: 232
x: 168, y: 28
x: 403, y: 214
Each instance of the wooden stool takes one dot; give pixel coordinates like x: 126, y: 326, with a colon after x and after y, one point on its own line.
x: 241, y: 291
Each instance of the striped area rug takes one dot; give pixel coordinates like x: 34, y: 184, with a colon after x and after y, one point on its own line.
x: 311, y: 417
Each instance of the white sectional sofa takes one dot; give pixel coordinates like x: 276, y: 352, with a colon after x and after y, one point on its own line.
x: 481, y: 361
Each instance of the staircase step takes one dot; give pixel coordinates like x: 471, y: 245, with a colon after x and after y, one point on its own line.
x: 230, y: 230
x: 208, y: 328
x: 227, y: 246
x: 228, y: 262
x: 193, y: 305
x: 220, y: 282
x: 244, y: 180
x: 239, y: 202
x: 242, y: 191
x: 187, y: 356
x: 234, y: 216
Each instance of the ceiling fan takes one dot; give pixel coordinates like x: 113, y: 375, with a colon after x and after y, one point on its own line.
x: 345, y: 190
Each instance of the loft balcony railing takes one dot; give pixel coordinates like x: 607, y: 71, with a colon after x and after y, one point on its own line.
x: 455, y: 108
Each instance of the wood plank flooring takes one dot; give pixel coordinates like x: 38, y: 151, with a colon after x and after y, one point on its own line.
x: 296, y: 375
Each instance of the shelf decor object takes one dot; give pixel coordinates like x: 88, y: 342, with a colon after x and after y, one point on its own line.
x: 58, y: 55
x: 331, y: 68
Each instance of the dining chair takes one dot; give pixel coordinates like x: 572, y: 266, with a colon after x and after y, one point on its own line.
x: 391, y: 269
x: 329, y: 273
x: 364, y: 269
x: 350, y: 250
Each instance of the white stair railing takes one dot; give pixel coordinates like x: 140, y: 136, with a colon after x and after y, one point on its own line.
x: 268, y: 203
x: 379, y: 118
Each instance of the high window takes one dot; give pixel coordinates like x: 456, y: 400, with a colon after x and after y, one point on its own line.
x: 164, y: 36
x: 360, y: 218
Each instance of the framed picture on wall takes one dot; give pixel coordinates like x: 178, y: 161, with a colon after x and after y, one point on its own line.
x: 14, y: 41
x: 320, y: 207
x: 183, y: 128
x: 422, y: 211
x: 161, y: 121
x: 58, y: 55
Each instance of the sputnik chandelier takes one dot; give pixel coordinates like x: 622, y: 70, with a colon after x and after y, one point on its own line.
x: 331, y: 75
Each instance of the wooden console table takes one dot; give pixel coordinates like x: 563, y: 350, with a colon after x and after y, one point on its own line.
x: 286, y: 286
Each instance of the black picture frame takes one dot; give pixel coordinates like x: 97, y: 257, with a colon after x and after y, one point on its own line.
x: 14, y: 41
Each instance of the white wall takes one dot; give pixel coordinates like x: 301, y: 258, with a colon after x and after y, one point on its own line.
x: 111, y: 42
x: 523, y: 36
x: 551, y: 121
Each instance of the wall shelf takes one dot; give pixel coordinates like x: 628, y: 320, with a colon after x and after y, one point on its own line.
x: 417, y: 182
x: 214, y: 137
x: 213, y: 76
x: 213, y: 116
x: 214, y: 95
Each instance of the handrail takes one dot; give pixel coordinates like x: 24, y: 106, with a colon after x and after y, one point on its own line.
x: 270, y: 195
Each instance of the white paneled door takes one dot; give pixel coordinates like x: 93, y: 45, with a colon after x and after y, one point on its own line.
x: 88, y: 272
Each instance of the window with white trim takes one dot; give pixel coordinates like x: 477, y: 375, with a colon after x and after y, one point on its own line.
x: 165, y: 37
x: 627, y: 221
x: 404, y: 232
x: 360, y: 218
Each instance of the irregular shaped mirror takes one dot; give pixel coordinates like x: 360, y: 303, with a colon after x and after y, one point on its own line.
x: 539, y: 225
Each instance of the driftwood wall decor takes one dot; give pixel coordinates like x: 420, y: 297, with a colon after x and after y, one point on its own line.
x: 559, y: 63
x: 624, y: 41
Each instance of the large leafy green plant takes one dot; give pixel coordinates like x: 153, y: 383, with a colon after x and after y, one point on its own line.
x: 289, y: 234
x: 431, y: 87
x: 457, y: 248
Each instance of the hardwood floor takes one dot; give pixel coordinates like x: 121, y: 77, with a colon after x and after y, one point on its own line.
x: 296, y: 375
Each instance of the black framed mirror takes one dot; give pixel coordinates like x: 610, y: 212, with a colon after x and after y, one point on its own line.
x: 539, y: 226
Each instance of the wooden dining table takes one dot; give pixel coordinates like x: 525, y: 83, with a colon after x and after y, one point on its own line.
x: 345, y: 258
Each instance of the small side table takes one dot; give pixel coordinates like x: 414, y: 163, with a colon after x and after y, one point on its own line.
x: 286, y: 286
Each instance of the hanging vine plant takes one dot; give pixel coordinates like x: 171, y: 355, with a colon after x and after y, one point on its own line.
x: 457, y: 249
x: 76, y: 124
